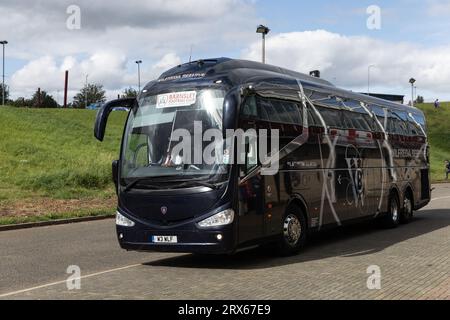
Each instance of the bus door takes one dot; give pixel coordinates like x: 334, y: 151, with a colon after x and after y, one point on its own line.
x: 272, y: 208
x: 251, y: 186
x: 284, y: 116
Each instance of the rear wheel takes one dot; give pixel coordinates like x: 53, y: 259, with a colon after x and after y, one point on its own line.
x: 392, y: 219
x: 294, y: 232
x: 408, y: 208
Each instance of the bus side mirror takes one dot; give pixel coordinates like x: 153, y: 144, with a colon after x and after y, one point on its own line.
x: 115, y: 173
x: 230, y: 110
x: 103, y: 114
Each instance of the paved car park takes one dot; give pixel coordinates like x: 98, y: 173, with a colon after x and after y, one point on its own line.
x: 358, y: 262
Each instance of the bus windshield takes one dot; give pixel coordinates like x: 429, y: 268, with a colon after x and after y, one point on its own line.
x: 148, y: 143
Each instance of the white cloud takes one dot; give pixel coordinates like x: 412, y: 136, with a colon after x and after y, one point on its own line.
x: 346, y: 59
x: 108, y: 69
x: 168, y: 61
x: 143, y: 28
x: 42, y: 72
x: 113, y: 35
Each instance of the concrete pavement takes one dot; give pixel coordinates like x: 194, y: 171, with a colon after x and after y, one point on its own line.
x: 414, y: 261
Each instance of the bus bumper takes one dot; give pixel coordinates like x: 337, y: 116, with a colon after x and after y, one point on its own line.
x: 190, y: 239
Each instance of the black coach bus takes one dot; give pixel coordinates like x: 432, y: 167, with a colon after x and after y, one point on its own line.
x: 342, y: 157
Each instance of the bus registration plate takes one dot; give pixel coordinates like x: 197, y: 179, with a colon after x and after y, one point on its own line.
x: 165, y: 239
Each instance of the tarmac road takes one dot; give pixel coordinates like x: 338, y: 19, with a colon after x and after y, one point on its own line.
x: 414, y: 261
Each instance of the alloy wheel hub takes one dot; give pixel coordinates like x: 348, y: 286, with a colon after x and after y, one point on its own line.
x: 394, y: 212
x: 292, y: 229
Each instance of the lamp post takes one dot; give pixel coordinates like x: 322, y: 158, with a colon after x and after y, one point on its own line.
x: 4, y: 42
x: 86, y: 93
x: 138, y: 62
x: 368, y: 77
x: 264, y: 31
x: 412, y: 81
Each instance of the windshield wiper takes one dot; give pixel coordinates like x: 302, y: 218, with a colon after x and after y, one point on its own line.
x: 194, y: 183
x: 183, y: 184
x: 133, y: 183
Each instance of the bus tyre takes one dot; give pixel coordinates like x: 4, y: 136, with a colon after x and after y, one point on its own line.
x: 294, y: 234
x: 408, y: 209
x: 392, y: 219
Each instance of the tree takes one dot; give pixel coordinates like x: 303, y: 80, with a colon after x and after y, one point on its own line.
x: 92, y: 93
x: 420, y: 99
x: 43, y: 100
x: 22, y: 102
x: 6, y: 93
x: 129, y: 93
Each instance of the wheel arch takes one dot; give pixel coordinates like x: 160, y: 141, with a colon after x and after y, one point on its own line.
x: 408, y: 188
x: 298, y: 200
x: 396, y: 191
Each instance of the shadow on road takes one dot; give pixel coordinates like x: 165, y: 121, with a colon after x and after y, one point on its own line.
x: 357, y: 240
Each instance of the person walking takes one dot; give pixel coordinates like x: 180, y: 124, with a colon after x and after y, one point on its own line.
x: 436, y: 104
x: 447, y: 169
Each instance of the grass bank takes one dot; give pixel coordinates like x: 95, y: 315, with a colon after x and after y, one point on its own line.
x: 50, y: 157
x: 51, y: 167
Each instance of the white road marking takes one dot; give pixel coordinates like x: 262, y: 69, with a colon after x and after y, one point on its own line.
x: 441, y: 198
x: 64, y: 281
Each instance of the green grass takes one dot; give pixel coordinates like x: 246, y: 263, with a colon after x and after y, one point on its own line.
x: 10, y: 220
x: 439, y: 136
x: 53, y: 153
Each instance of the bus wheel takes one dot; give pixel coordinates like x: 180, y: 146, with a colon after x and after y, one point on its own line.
x: 408, y: 210
x: 294, y: 232
x: 392, y: 219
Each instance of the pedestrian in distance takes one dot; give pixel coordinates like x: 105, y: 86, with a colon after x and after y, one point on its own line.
x: 447, y: 169
x: 437, y: 104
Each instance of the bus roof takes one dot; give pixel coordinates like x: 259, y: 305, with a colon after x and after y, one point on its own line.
x: 240, y: 72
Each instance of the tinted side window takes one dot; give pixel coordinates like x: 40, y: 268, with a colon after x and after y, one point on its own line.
x: 249, y: 109
x: 263, y: 115
x: 360, y: 121
x: 411, y: 126
x: 414, y: 127
x: 331, y: 117
x: 268, y: 110
x: 347, y: 120
x: 312, y: 118
x: 380, y: 114
x: 280, y: 108
x: 421, y: 120
x: 397, y: 125
x: 355, y: 120
x: 280, y: 111
x: 293, y: 112
x: 364, y: 120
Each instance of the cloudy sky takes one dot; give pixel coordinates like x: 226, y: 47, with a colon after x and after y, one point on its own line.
x: 410, y: 40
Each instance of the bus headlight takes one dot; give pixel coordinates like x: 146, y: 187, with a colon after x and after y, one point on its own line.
x: 220, y: 219
x: 123, y: 221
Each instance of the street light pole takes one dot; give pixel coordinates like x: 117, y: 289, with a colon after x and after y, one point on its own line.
x: 263, y: 48
x: 264, y: 31
x: 4, y: 42
x: 412, y: 81
x: 138, y: 62
x: 368, y: 78
x: 86, y: 92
